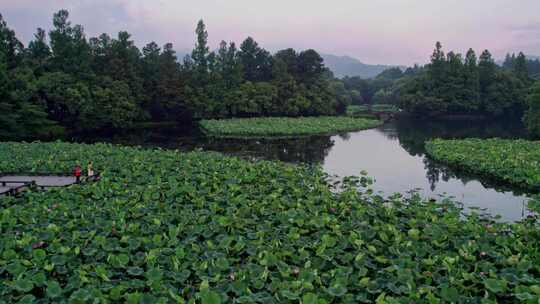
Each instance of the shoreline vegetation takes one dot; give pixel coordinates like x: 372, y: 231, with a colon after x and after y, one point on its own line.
x: 284, y: 126
x: 516, y: 162
x: 163, y: 226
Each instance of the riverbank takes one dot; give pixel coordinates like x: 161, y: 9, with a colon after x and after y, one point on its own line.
x: 164, y: 226
x: 284, y: 126
x: 513, y: 161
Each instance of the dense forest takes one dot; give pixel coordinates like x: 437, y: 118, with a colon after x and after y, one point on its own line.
x: 64, y: 81
x: 455, y: 85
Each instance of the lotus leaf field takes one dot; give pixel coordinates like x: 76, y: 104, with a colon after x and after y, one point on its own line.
x: 512, y: 161
x: 169, y: 227
x: 284, y: 126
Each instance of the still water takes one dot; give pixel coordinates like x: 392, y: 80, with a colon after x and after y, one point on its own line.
x: 393, y: 155
x: 397, y: 167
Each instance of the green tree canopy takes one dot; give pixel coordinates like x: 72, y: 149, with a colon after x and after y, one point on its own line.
x: 453, y: 85
x: 256, y: 61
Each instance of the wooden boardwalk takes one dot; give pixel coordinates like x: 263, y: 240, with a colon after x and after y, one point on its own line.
x: 15, y: 183
x: 5, y: 189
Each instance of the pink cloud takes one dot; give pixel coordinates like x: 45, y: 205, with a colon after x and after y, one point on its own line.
x: 382, y: 31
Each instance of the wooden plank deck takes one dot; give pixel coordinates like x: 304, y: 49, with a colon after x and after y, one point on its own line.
x: 10, y: 184
x: 4, y: 189
x: 13, y: 187
x: 45, y: 181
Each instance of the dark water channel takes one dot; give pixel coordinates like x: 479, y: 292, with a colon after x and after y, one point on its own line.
x: 392, y: 154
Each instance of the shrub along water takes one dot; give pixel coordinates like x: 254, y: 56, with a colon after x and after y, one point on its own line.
x: 513, y: 161
x: 285, y: 126
x: 167, y: 227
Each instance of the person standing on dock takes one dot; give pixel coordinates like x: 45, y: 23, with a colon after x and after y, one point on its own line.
x: 90, y: 169
x: 77, y: 173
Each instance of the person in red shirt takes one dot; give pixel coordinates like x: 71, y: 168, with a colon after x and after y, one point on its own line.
x: 77, y: 173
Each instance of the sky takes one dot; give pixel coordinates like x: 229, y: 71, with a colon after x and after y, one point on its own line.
x: 398, y: 32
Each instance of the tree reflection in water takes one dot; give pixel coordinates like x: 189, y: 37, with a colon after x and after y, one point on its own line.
x: 312, y: 149
x: 297, y: 150
x: 412, y: 135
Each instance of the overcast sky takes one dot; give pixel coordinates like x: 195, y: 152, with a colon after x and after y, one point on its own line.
x: 374, y: 31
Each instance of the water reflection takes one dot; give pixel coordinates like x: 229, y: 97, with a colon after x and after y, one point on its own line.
x: 295, y: 150
x: 412, y: 135
x: 300, y: 150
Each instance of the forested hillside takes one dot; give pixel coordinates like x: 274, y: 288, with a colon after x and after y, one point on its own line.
x: 343, y: 66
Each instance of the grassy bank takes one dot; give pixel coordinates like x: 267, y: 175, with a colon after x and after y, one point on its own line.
x: 513, y: 161
x: 167, y: 227
x: 283, y: 127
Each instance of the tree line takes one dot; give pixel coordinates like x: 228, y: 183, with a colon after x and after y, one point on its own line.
x: 453, y: 84
x: 533, y: 65
x: 64, y: 81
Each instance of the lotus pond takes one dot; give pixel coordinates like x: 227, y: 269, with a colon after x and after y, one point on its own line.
x: 283, y: 126
x: 169, y: 227
x: 512, y: 161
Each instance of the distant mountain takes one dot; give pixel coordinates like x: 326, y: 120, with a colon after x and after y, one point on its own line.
x: 341, y: 66
x: 347, y: 66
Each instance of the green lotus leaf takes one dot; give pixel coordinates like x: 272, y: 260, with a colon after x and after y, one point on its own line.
x: 210, y: 297
x: 310, y: 298
x: 450, y: 294
x: 337, y: 290
x: 80, y: 296
x: 154, y: 275
x: 135, y: 271
x: 15, y: 269
x: 222, y: 263
x: 23, y: 285
x: 27, y: 299
x: 148, y: 299
x: 39, y: 254
x: 495, y: 285
x: 133, y: 298
x: 53, y: 289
